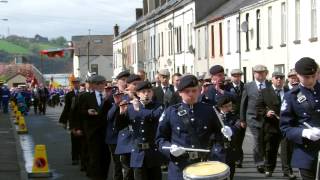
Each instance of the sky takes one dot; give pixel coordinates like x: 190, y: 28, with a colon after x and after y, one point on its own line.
x: 53, y: 18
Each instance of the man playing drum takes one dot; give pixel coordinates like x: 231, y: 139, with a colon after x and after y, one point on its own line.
x: 190, y: 124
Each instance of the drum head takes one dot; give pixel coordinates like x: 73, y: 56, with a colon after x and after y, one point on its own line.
x: 206, y: 170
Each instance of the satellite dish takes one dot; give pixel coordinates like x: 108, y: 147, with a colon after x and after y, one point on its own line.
x: 244, y: 26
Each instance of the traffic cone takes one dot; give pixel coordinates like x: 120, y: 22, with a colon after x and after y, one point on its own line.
x: 18, y: 115
x: 22, y: 126
x: 40, y: 166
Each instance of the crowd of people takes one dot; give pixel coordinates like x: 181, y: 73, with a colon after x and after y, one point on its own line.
x: 27, y: 96
x: 145, y: 128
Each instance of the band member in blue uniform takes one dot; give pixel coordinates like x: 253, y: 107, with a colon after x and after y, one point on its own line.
x: 299, y: 120
x: 143, y: 114
x: 190, y: 124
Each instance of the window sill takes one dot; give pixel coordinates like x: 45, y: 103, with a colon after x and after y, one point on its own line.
x: 313, y: 39
x: 270, y: 47
x: 228, y: 53
x: 247, y: 50
x: 237, y: 51
x: 258, y: 48
x: 297, y: 42
x: 283, y: 45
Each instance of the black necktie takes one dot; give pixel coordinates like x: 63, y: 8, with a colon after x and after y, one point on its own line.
x: 260, y: 86
x: 101, y: 99
x: 278, y: 94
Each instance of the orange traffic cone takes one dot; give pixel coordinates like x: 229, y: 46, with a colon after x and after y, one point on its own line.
x: 22, y: 126
x: 40, y: 166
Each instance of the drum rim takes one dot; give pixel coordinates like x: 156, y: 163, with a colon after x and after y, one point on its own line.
x: 218, y: 175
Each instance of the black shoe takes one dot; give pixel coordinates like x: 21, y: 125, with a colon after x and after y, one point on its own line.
x: 268, y: 174
x: 75, y: 162
x: 290, y: 176
x: 260, y: 169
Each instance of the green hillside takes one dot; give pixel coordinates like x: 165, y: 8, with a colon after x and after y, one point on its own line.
x: 12, y: 48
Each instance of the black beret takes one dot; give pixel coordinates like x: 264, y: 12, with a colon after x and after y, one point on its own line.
x: 216, y: 69
x: 133, y: 77
x: 187, y: 81
x: 306, y: 66
x: 222, y: 100
x: 123, y: 74
x: 143, y: 85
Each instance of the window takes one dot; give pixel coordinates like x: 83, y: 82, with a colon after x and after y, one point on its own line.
x: 178, y: 39
x: 188, y: 43
x: 220, y: 34
x: 313, y: 19
x: 279, y: 68
x: 247, y: 33
x: 161, y: 43
x: 94, y: 68
x: 97, y: 41
x: 198, y: 44
x: 191, y: 30
x: 228, y: 35
x: 297, y: 20
x: 258, y: 28
x: 212, y: 41
x: 154, y: 46
x: 269, y: 27
x: 283, y: 24
x: 158, y: 46
x: 238, y: 33
x: 205, y: 42
x: 169, y: 42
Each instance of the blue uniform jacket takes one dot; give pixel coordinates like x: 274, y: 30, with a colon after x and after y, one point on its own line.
x: 212, y: 95
x: 5, y: 95
x: 172, y: 130
x: 301, y: 105
x: 144, y: 126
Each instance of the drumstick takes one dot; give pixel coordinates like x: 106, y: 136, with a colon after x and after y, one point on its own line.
x: 307, y: 125
x: 188, y: 149
x: 220, y: 119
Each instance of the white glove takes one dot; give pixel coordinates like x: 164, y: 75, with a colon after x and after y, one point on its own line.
x: 312, y: 134
x: 227, y: 132
x: 176, y: 151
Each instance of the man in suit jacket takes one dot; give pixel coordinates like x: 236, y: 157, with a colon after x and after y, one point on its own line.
x: 176, y: 98
x: 67, y: 116
x: 268, y: 110
x: 95, y: 108
x: 237, y: 89
x: 248, y: 112
x: 165, y: 91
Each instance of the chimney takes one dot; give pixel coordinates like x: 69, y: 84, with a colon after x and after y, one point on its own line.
x: 145, y: 7
x: 139, y: 13
x: 116, y: 30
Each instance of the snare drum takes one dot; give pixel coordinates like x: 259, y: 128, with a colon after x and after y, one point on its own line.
x: 211, y: 170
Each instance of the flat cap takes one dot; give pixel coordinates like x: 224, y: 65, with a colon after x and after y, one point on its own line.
x: 143, y: 85
x: 277, y: 74
x: 76, y: 79
x: 306, y: 66
x: 224, y: 99
x: 187, y: 81
x: 97, y: 79
x: 236, y: 72
x: 164, y: 72
x: 123, y: 74
x: 133, y: 77
x: 292, y: 73
x: 216, y: 69
x: 259, y: 68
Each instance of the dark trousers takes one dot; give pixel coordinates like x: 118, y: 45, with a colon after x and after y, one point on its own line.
x: 145, y: 173
x: 84, y: 158
x: 257, y: 145
x: 117, y: 167
x: 75, y: 147
x: 127, y: 171
x: 286, y: 155
x: 5, y: 105
x: 99, y: 157
x: 271, y: 146
x: 35, y: 105
x: 307, y: 174
x: 238, y: 144
x: 42, y: 106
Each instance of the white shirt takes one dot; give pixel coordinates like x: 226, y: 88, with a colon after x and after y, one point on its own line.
x: 263, y: 84
x: 97, y: 93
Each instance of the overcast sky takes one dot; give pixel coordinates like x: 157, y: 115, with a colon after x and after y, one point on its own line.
x: 53, y: 18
